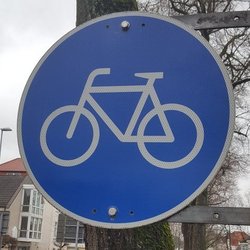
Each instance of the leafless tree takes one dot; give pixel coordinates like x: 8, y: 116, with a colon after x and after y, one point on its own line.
x: 233, y: 47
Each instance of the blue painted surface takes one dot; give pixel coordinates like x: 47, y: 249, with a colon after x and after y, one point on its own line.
x: 117, y: 174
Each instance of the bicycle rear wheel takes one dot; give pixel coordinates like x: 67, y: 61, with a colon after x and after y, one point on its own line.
x: 90, y: 150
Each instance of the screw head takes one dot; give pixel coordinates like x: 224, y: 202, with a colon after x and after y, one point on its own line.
x: 112, y: 211
x: 125, y: 25
x: 216, y: 216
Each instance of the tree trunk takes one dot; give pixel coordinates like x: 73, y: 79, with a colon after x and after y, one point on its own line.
x: 99, y: 238
x: 109, y: 239
x: 89, y: 9
x: 195, y: 234
x: 158, y: 234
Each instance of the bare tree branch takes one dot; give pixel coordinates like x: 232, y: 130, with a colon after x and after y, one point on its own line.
x: 240, y: 133
x: 235, y: 84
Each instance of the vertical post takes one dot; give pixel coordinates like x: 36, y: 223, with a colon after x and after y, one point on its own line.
x: 94, y: 237
x: 77, y: 233
x: 1, y: 139
x: 1, y: 225
x: 229, y: 234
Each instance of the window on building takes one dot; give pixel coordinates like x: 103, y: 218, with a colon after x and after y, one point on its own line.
x: 37, y: 203
x: 244, y: 246
x: 4, y: 218
x: 26, y: 200
x: 35, y: 228
x: 32, y: 201
x: 31, y: 212
x: 24, y: 227
x: 55, y: 230
x: 13, y: 173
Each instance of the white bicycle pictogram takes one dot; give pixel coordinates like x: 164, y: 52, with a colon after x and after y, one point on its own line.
x: 140, y: 138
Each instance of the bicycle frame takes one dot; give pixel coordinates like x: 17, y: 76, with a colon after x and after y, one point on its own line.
x: 146, y: 90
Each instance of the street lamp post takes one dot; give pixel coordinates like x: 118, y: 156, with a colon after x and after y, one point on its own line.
x: 1, y: 138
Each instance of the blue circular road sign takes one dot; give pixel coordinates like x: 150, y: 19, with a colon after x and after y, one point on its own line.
x: 125, y: 120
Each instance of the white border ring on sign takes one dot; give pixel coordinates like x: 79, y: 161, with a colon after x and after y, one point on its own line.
x: 213, y: 172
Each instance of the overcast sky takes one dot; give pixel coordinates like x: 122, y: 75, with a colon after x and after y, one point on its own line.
x: 27, y: 30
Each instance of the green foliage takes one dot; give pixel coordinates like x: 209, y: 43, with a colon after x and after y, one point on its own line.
x: 156, y: 236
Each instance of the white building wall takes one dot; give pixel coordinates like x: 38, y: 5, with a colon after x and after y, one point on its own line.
x: 14, y: 218
x: 50, y: 216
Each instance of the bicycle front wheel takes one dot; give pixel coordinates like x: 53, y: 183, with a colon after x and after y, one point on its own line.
x: 199, y: 130
x: 88, y: 151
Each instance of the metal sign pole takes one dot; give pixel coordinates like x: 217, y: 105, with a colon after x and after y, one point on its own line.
x: 205, y: 214
x: 212, y: 215
x: 77, y: 233
x: 234, y: 19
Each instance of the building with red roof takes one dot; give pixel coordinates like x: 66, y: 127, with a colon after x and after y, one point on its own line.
x: 13, y: 167
x: 27, y: 220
